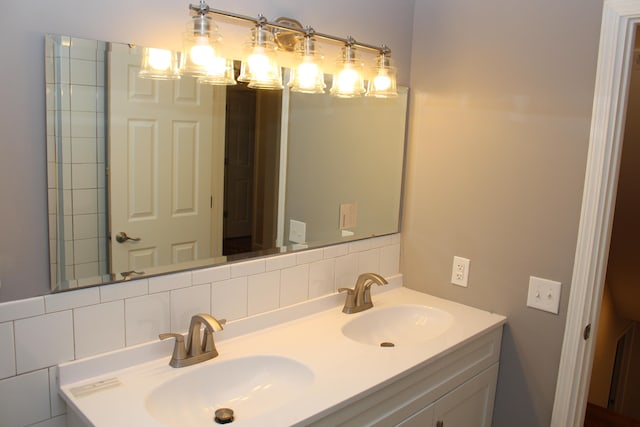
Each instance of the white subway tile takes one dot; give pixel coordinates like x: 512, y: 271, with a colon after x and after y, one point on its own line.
x: 360, y: 245
x: 58, y: 407
x: 369, y: 261
x: 294, y: 285
x: 210, y: 275
x: 380, y: 241
x: 84, y: 176
x: 7, y: 351
x: 53, y: 332
x: 390, y: 260
x: 248, y: 268
x: 99, y: 328
x: 169, y: 282
x: 187, y: 302
x: 84, y: 150
x: 396, y: 238
x: 263, y: 292
x: 122, y: 290
x: 146, y: 317
x: 24, y: 399
x: 20, y: 309
x: 346, y: 271
x: 281, y: 261
x: 307, y: 257
x: 83, y: 98
x: 229, y: 299
x: 321, y: 278
x: 83, y: 72
x: 85, y: 201
x: 336, y: 251
x: 68, y: 300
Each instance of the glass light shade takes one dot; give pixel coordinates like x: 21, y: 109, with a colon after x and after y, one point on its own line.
x: 307, y: 75
x: 348, y: 81
x: 260, y: 67
x: 219, y: 72
x: 159, y: 64
x: 200, y: 43
x: 383, y: 84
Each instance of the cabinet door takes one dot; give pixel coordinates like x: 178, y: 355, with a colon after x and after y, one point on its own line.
x: 422, y: 418
x: 469, y: 405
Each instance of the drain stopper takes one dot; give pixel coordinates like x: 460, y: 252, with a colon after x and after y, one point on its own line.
x: 224, y: 416
x: 387, y: 344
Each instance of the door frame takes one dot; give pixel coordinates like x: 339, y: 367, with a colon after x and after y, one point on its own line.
x: 617, y: 36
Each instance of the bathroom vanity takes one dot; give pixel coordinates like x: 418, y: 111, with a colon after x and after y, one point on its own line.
x: 411, y: 360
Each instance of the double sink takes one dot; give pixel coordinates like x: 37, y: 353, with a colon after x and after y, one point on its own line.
x: 285, y: 374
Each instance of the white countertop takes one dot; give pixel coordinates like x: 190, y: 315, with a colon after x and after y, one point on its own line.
x: 342, y: 368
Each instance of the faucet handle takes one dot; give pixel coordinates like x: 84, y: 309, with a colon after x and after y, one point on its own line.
x: 350, y: 302
x: 179, y: 350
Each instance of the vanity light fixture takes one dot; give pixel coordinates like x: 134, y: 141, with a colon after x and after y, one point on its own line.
x: 307, y: 75
x: 383, y: 85
x: 348, y: 82
x: 160, y: 64
x: 260, y: 68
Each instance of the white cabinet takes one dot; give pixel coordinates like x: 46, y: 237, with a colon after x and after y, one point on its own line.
x: 468, y: 405
x: 455, y: 389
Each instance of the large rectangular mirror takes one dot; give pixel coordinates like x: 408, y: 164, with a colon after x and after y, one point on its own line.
x: 147, y: 177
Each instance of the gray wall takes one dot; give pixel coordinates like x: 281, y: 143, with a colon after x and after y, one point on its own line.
x: 24, y: 267
x: 500, y: 113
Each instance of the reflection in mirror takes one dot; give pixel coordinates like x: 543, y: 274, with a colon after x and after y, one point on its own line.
x: 147, y: 177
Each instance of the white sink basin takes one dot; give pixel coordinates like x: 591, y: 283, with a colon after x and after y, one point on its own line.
x: 398, y: 325
x: 250, y: 386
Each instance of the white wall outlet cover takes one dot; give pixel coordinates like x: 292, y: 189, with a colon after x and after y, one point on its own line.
x: 297, y: 231
x: 460, y: 271
x: 544, y: 294
x: 348, y: 215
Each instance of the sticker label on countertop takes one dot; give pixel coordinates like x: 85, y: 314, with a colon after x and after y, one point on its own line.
x: 88, y: 389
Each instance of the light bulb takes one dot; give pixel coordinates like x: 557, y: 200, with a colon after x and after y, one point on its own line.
x: 382, y: 82
x: 159, y: 59
x: 201, y: 52
x: 347, y: 79
x: 217, y: 66
x: 307, y: 75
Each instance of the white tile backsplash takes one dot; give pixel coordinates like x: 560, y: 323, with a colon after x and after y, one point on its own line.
x: 146, y: 317
x: 87, y: 321
x: 210, y: 275
x: 169, y: 282
x: 75, y: 299
x: 20, y: 309
x: 229, y: 299
x: 98, y: 328
x: 187, y: 302
x: 248, y: 268
x: 122, y: 290
x: 321, y: 278
x: 58, y: 407
x: 53, y: 332
x: 294, y: 285
x: 7, y: 351
x: 24, y: 399
x: 263, y: 292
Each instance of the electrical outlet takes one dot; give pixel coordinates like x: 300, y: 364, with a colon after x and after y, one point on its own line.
x: 460, y: 271
x: 544, y: 294
x: 297, y: 231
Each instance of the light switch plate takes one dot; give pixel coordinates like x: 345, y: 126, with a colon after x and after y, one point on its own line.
x: 348, y: 215
x: 544, y: 294
x: 297, y: 231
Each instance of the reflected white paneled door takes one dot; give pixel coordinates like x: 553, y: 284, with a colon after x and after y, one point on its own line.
x: 159, y: 167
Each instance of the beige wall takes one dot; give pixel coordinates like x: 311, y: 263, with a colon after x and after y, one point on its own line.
x: 499, y: 128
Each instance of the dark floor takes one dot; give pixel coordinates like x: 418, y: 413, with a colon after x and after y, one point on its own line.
x: 236, y: 245
x: 597, y: 416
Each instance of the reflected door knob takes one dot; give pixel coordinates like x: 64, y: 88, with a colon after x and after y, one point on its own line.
x: 122, y: 237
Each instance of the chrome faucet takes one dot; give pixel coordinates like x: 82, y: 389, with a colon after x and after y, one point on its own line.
x: 359, y: 298
x: 199, y: 348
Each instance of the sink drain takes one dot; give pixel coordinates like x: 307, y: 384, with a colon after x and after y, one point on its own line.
x: 224, y: 416
x: 387, y: 344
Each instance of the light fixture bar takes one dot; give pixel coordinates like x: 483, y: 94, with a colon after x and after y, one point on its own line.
x: 203, y: 9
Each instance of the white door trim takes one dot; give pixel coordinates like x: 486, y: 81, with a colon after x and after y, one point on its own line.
x: 598, y: 201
